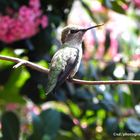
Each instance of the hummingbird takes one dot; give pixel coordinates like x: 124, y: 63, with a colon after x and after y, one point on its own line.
x: 66, y: 61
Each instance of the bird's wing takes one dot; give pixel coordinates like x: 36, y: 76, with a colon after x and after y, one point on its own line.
x: 62, y: 65
x: 70, y: 65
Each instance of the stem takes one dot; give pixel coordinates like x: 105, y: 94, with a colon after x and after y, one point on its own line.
x: 84, y: 82
x: 26, y: 63
x: 76, y: 81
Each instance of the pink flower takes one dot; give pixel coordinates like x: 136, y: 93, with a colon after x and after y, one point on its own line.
x: 35, y: 3
x: 125, y: 6
x: 24, y: 25
x: 137, y: 3
x: 11, y: 106
x: 113, y: 50
x: 43, y: 21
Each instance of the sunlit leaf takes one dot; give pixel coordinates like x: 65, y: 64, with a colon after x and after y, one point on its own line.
x: 10, y: 92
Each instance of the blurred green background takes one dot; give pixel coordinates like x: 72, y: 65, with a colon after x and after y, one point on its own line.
x: 74, y: 112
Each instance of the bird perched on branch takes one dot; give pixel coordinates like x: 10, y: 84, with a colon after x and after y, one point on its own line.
x: 66, y: 61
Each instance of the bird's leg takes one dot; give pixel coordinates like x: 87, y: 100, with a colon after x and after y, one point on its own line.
x: 69, y: 78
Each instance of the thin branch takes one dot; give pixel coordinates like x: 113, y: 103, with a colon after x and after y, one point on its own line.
x: 76, y: 81
x: 25, y: 62
x: 19, y: 64
x: 85, y: 82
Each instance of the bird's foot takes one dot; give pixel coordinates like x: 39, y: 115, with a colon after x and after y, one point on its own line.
x: 69, y: 78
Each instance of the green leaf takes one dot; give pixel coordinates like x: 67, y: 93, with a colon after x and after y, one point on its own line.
x: 82, y: 94
x: 112, y: 125
x: 10, y: 126
x: 67, y: 123
x: 46, y: 137
x: 116, y: 6
x: 136, y: 88
x: 66, y: 136
x: 37, y: 128
x: 76, y: 111
x: 10, y: 92
x: 107, y: 3
x: 107, y: 41
x: 89, y: 12
x: 46, y: 125
x: 108, y: 105
x: 51, y: 120
x: 109, y: 69
x: 133, y: 125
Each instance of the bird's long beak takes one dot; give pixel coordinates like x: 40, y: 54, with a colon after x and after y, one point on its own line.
x: 84, y: 30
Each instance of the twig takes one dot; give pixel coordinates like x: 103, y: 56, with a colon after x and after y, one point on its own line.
x: 76, y: 81
x: 84, y: 82
x: 24, y: 62
x: 19, y: 64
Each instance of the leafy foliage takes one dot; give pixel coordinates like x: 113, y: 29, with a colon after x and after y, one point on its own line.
x: 10, y: 126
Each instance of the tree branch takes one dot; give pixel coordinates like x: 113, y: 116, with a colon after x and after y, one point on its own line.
x: 113, y: 82
x: 76, y: 81
x: 24, y: 62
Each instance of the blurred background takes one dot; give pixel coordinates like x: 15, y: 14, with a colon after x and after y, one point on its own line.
x: 31, y: 30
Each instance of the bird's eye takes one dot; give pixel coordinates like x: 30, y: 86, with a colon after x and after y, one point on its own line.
x: 73, y: 31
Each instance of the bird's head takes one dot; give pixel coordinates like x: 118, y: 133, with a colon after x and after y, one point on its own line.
x: 73, y: 33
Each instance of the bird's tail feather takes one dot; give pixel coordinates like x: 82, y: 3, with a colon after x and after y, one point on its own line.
x: 50, y: 88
